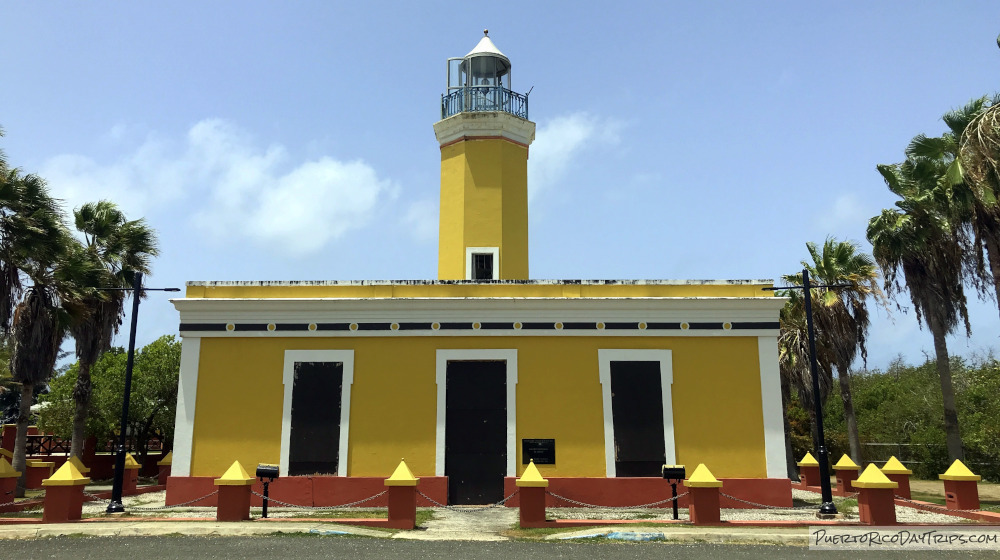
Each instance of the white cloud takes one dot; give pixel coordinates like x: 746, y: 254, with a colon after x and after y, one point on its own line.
x: 847, y: 212
x: 562, y: 140
x: 422, y: 219
x: 239, y: 190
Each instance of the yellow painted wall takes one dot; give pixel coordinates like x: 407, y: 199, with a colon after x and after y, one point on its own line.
x: 716, y: 400
x: 484, y: 203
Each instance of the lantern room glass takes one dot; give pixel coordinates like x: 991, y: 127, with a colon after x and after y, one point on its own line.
x: 480, y: 82
x: 478, y: 71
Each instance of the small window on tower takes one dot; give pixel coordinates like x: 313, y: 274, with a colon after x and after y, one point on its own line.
x: 482, y: 266
x: 482, y: 263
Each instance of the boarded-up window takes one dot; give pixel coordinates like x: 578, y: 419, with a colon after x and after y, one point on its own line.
x: 314, y: 442
x: 637, y: 408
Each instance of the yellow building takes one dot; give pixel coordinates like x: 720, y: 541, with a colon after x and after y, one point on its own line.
x: 472, y: 375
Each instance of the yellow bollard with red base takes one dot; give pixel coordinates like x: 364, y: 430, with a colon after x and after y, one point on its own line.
x: 84, y: 469
x: 961, y: 487
x: 876, y: 497
x: 37, y: 472
x: 809, y: 470
x: 164, y: 465
x: 531, y: 487
x: 899, y: 474
x: 402, y: 487
x: 64, y: 494
x: 8, y: 482
x: 130, y: 482
x: 847, y: 472
x: 703, y: 489
x: 234, y: 494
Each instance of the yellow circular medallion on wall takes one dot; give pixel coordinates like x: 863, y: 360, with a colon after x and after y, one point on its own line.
x: 476, y: 326
x: 727, y: 326
x: 312, y: 326
x: 435, y: 326
x: 354, y: 326
x: 230, y: 327
x: 394, y: 326
x: 685, y: 326
x: 600, y: 326
x: 642, y: 326
x: 559, y: 326
x: 271, y: 327
x: 517, y: 326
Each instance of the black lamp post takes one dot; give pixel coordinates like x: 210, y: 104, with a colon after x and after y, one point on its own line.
x: 827, y: 508
x: 116, y: 490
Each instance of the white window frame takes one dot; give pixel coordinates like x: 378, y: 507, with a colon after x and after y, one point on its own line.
x: 605, y: 357
x: 441, y: 377
x: 495, y: 251
x: 345, y: 357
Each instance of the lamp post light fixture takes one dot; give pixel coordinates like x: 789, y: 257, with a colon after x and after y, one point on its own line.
x: 116, y: 490
x: 827, y: 507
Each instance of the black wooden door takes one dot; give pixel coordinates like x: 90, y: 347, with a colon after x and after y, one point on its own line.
x: 637, y: 407
x: 475, y: 455
x: 314, y: 442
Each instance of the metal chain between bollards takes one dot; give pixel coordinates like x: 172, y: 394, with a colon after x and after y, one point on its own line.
x: 317, y: 508
x: 595, y: 506
x: 94, y: 498
x: 766, y: 506
x: 468, y: 509
x: 925, y: 505
x: 182, y: 504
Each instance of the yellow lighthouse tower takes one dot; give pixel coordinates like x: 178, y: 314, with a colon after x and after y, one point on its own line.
x: 484, y: 133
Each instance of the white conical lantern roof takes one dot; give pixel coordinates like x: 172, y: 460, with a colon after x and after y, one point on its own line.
x: 486, y: 47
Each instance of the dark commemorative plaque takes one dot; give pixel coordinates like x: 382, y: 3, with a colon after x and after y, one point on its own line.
x: 542, y: 451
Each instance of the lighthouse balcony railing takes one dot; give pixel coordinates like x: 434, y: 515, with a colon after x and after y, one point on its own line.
x: 484, y: 99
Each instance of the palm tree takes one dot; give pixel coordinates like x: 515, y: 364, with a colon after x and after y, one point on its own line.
x: 841, y: 316
x: 122, y: 248
x: 978, y: 155
x: 920, y: 241
x: 46, y: 254
x: 967, y: 180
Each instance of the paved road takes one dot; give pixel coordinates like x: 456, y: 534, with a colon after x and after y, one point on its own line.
x: 301, y: 547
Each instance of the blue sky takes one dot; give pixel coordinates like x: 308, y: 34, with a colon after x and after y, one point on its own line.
x: 293, y: 141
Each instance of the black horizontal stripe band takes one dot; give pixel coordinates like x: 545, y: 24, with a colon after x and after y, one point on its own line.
x: 705, y: 326
x: 579, y: 326
x: 538, y: 326
x: 250, y: 327
x: 416, y: 326
x: 499, y: 326
x: 374, y: 326
x: 621, y: 325
x: 457, y: 326
x: 663, y: 326
x: 203, y: 326
x: 291, y: 327
x: 333, y: 326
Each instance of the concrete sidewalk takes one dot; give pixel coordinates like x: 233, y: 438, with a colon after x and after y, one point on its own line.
x: 442, y: 529
x: 130, y: 528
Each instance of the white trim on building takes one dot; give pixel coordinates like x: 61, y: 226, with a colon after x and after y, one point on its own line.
x: 770, y: 399
x: 441, y: 376
x: 345, y: 357
x: 605, y: 357
x: 187, y: 396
